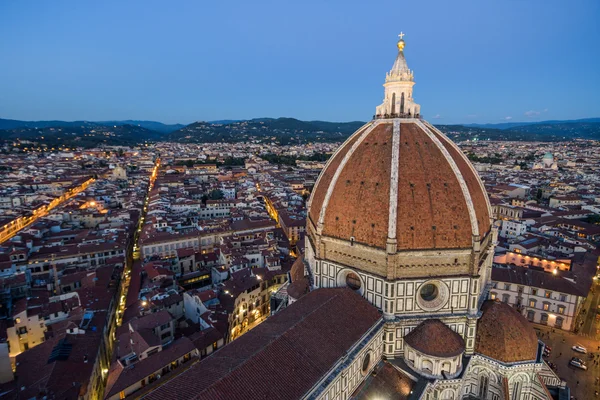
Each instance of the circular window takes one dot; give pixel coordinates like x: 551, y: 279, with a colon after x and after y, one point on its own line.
x: 432, y: 295
x: 366, y: 363
x: 429, y: 292
x: 353, y: 281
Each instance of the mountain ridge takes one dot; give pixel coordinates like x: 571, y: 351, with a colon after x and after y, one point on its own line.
x: 6, y: 124
x: 284, y: 130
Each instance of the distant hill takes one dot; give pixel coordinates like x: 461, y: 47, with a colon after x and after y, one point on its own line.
x: 81, y: 136
x: 547, y: 131
x: 509, y: 125
x: 281, y: 130
x: 267, y: 130
x: 152, y: 125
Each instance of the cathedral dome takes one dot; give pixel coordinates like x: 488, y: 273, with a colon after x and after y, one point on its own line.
x: 504, y: 334
x: 400, y: 184
x: 435, y: 338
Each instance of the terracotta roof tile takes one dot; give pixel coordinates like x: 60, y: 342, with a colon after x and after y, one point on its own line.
x: 318, y: 196
x: 294, y: 349
x: 435, y: 338
x: 432, y: 212
x: 360, y: 203
x: 504, y: 334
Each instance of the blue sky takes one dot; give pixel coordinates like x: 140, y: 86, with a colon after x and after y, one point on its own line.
x: 182, y: 61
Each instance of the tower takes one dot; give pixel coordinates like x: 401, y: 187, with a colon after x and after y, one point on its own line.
x: 399, y: 82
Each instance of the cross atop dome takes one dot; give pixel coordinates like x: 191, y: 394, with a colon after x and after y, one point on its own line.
x: 401, y: 42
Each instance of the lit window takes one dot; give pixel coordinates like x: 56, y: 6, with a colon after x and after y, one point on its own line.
x: 532, y: 303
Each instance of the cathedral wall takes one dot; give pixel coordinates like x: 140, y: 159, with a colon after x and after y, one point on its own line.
x: 458, y: 294
x: 430, y: 366
x: 351, y: 371
x: 395, y: 331
x: 486, y: 379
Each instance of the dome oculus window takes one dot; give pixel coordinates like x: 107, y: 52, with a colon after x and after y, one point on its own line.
x: 353, y: 281
x: 366, y: 363
x: 429, y: 292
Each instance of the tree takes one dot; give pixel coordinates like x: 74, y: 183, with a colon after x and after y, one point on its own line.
x: 594, y: 219
x: 216, y: 194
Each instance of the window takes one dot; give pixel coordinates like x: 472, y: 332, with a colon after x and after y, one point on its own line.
x: 532, y: 303
x: 563, y: 297
x: 544, y: 319
x: 446, y: 367
x: 505, y: 298
x: 546, y: 306
x: 507, y: 286
x: 530, y: 316
x: 561, y: 309
x: 429, y: 292
x: 353, y: 281
x: 493, y: 296
x: 548, y: 294
x: 534, y: 292
x: 428, y: 366
x: 559, y: 322
x: 366, y: 364
x: 483, y: 387
x: 516, y: 391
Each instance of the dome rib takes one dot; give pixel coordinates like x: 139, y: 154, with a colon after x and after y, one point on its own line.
x: 339, y: 170
x: 324, y: 180
x: 393, y: 219
x: 399, y: 185
x: 481, y: 202
x: 459, y: 177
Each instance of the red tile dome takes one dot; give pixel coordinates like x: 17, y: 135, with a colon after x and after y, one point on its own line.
x: 435, y: 338
x: 504, y: 334
x: 400, y: 181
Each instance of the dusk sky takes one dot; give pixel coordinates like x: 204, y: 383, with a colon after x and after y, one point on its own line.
x: 183, y: 61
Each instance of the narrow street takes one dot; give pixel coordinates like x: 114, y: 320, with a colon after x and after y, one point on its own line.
x: 591, y: 323
x: 133, y: 252
x: 12, y: 228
